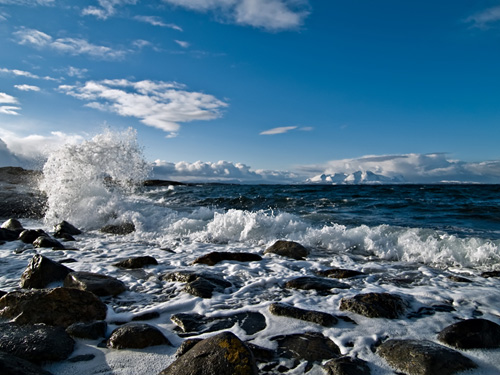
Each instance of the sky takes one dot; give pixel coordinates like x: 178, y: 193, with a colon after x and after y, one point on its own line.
x: 259, y: 90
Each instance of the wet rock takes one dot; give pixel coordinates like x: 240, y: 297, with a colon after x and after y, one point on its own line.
x: 202, y: 287
x: 8, y: 235
x: 30, y: 235
x: 42, y: 271
x: 288, y: 249
x: 100, y: 285
x: 48, y: 242
x: 136, y: 336
x: 2, y: 293
x: 459, y: 279
x: 375, y: 305
x: 262, y: 355
x: 195, y: 324
x: 12, y: 365
x: 490, y: 274
x: 122, y: 229
x: 311, y: 346
x: 91, y: 331
x: 186, y: 346
x: 223, y: 354
x: 66, y: 228
x: 198, y: 284
x: 137, y: 262
x: 215, y: 257
x: 471, y: 334
x: 340, y: 273
x: 59, y: 306
x: 35, y: 343
x: 430, y: 310
x: 146, y: 316
x: 13, y: 225
x: 423, y: 357
x: 317, y: 317
x: 315, y: 283
x: 347, y: 366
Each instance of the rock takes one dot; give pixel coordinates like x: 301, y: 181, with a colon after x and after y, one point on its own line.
x: 347, y: 366
x: 41, y: 271
x: 215, y: 257
x: 222, y: 354
x: 59, y: 306
x: 66, y: 228
x: 430, y: 310
x: 490, y: 274
x: 100, y: 285
x: 186, y: 346
x: 317, y: 317
x: 162, y: 183
x: 195, y: 324
x: 35, y: 343
x: 47, y: 242
x: 30, y: 235
x: 471, y: 334
x: 459, y: 279
x: 136, y: 336
x: 375, y: 305
x: 136, y: 262
x: 201, y: 287
x: 198, y: 284
x: 315, y: 283
x: 146, y: 316
x: 91, y: 331
x: 340, y: 273
x: 288, y: 249
x: 13, y: 225
x: 310, y: 346
x: 125, y: 228
x: 12, y: 365
x: 423, y: 357
x: 8, y: 235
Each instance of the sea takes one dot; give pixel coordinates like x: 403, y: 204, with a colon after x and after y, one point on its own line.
x: 406, y: 239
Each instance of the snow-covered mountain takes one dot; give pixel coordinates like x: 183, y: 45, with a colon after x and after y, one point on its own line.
x: 358, y: 177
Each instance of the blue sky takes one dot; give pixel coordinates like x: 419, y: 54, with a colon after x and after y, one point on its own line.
x: 266, y: 87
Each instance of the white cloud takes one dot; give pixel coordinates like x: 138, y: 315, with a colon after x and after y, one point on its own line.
x: 106, y: 9
x: 182, y: 43
x: 7, y: 99
x: 163, y: 105
x: 72, y: 46
x: 485, y: 18
x: 272, y: 15
x: 27, y: 87
x: 76, y: 72
x: 8, y: 109
x: 22, y: 73
x: 285, y: 129
x: 156, y: 21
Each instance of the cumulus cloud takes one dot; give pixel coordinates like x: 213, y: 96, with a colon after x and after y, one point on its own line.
x: 272, y: 15
x: 221, y: 171
x: 163, y: 105
x: 106, y: 8
x: 71, y: 46
x: 27, y: 87
x: 157, y: 21
x: 485, y: 18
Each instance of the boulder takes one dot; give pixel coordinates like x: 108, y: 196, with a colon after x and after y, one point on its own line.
x: 315, y: 283
x: 375, y: 305
x: 215, y: 257
x: 288, y: 249
x: 41, y: 271
x: 137, y: 262
x: 223, y: 354
x: 136, y: 336
x: 65, y: 228
x: 489, y: 274
x: 13, y: 225
x: 416, y: 357
x: 8, y: 235
x: 100, y: 285
x: 12, y: 365
x: 59, y: 306
x: 195, y: 324
x: 202, y: 287
x: 122, y: 229
x: 199, y: 284
x: 35, y: 343
x: 48, y: 242
x: 317, y: 317
x: 340, y: 273
x: 310, y: 346
x: 471, y: 334
x: 347, y: 366
x: 30, y: 235
x: 91, y: 331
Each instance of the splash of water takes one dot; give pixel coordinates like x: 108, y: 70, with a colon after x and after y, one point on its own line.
x: 86, y: 183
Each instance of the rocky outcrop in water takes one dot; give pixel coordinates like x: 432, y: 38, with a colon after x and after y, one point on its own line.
x: 199, y: 284
x: 137, y: 262
x: 471, y: 334
x: 215, y: 257
x: 317, y: 317
x: 289, y: 249
x: 42, y: 271
x: 121, y: 229
x: 91, y: 331
x: 375, y: 305
x: 136, y: 336
x: 315, y: 283
x: 100, y: 285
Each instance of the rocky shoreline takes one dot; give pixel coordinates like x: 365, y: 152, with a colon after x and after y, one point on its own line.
x: 41, y: 324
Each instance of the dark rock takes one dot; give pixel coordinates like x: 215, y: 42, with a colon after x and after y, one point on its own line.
x: 13, y: 225
x: 215, y: 257
x: 41, y: 271
x: 471, y: 334
x: 459, y: 279
x: 136, y: 336
x: 68, y: 260
x: 185, y: 346
x: 375, y: 305
x: 423, y: 357
x: 317, y: 317
x: 12, y: 365
x: 35, y: 343
x: 146, y: 316
x: 181, y: 276
x: 162, y: 183
x: 65, y: 236
x: 430, y: 310
x: 340, y: 273
x: 59, y: 306
x: 347, y: 366
x: 261, y: 354
x: 100, y: 285
x: 2, y: 293
x: 201, y: 287
x: 222, y: 354
x: 136, y: 262
x: 198, y: 284
x: 125, y: 228
x: 490, y: 274
x: 315, y: 283
x: 82, y: 358
x: 66, y: 228
x: 47, y: 242
x: 8, y: 235
x: 288, y: 249
x: 195, y: 324
x: 311, y: 346
x: 30, y: 235
x: 91, y: 331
